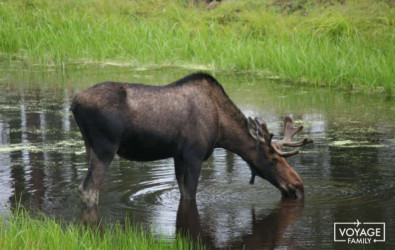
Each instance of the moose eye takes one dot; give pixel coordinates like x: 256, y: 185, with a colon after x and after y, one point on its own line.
x: 274, y: 161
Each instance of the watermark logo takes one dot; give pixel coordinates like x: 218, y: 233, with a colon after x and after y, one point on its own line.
x: 359, y: 232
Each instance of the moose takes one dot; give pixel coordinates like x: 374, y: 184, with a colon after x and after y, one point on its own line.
x: 185, y: 120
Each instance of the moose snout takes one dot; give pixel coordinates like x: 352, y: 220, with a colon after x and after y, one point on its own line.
x: 293, y: 191
x: 289, y: 182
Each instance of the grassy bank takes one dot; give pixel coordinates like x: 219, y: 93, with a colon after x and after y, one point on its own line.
x: 22, y: 231
x: 348, y: 45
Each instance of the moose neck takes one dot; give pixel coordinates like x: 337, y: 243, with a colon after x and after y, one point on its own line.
x: 233, y: 128
x: 234, y: 136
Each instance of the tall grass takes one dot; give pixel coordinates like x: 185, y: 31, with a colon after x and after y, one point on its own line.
x: 349, y: 45
x: 22, y: 231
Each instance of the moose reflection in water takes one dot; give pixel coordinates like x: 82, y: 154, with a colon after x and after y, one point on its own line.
x: 267, y: 230
x: 184, y: 120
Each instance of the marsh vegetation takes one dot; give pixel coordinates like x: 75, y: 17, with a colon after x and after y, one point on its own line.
x: 347, y: 44
x: 21, y: 230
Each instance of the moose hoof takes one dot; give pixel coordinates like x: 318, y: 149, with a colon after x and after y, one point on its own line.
x: 89, y: 197
x: 90, y: 216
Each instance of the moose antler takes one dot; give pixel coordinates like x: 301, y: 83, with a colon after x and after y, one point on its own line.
x: 289, y: 131
x: 260, y: 132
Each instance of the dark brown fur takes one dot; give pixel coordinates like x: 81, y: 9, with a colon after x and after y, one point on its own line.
x: 185, y: 120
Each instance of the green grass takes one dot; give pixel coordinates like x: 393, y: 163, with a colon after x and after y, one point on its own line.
x: 341, y: 45
x: 23, y: 231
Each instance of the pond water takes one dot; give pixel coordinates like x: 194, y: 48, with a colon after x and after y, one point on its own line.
x: 348, y: 172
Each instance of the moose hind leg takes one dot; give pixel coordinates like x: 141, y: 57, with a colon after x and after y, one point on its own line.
x: 187, y: 174
x: 98, y: 163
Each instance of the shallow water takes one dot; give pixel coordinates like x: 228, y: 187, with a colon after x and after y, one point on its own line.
x: 348, y: 172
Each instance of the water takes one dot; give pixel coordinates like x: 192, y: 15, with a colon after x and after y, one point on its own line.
x: 348, y: 172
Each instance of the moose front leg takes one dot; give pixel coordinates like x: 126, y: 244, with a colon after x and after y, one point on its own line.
x: 187, y: 174
x: 89, y: 188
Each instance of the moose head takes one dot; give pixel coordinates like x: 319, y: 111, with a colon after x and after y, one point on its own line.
x: 270, y: 162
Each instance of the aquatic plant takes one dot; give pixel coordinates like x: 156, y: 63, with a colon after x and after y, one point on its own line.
x: 21, y: 230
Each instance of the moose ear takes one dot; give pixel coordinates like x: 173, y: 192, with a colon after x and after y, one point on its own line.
x: 252, y: 128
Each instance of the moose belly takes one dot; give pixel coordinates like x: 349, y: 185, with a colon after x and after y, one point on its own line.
x: 144, y: 148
